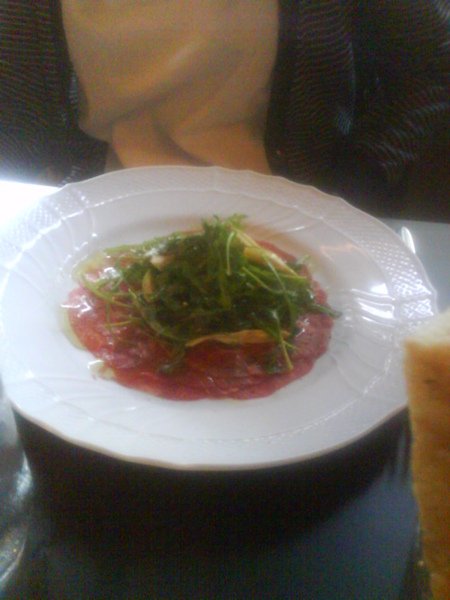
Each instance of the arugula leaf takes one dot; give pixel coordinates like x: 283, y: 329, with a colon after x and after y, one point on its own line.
x: 213, y: 283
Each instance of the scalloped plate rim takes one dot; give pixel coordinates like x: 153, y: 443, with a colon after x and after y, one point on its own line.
x: 240, y: 182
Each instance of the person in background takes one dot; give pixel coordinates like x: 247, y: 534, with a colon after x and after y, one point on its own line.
x: 345, y: 95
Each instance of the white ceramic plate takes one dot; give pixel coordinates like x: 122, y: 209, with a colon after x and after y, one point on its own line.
x: 369, y: 275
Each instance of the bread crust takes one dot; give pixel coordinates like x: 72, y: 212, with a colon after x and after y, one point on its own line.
x: 427, y: 372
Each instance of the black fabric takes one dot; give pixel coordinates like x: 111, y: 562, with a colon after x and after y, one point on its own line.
x: 39, y: 136
x: 368, y: 87
x: 358, y: 91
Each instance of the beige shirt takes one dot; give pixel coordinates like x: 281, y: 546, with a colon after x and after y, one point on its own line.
x: 175, y: 81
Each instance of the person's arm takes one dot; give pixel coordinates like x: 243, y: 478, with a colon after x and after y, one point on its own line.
x: 39, y: 136
x: 410, y: 40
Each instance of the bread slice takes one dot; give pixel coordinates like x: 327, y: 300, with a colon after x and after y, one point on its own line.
x: 427, y: 372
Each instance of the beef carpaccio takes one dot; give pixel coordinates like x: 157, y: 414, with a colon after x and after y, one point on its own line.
x: 205, y: 314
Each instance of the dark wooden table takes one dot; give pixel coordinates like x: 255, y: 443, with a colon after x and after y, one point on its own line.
x: 342, y: 527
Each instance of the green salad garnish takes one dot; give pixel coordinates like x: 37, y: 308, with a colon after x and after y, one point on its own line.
x: 214, y: 284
